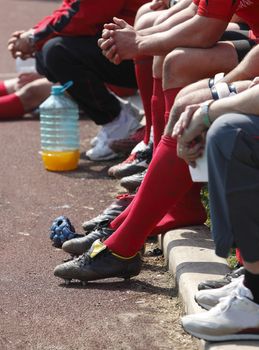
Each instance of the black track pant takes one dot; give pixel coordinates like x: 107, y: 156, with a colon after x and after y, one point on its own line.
x: 80, y: 59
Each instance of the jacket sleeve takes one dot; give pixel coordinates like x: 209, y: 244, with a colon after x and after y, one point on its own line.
x: 76, y: 18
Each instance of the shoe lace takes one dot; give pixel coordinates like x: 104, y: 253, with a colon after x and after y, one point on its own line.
x: 84, y: 259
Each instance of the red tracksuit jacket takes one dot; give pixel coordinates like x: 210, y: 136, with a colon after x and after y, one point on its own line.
x: 83, y: 17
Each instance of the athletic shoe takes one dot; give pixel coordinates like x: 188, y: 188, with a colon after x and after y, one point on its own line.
x: 134, y: 164
x: 222, y: 281
x: 141, y: 146
x: 209, y: 298
x: 110, y: 213
x: 98, y: 263
x: 234, y: 318
x: 131, y: 183
x: 126, y: 145
x: 78, y: 246
x: 119, y: 128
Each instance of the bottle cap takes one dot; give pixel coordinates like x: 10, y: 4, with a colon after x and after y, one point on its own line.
x: 59, y: 89
x: 56, y: 90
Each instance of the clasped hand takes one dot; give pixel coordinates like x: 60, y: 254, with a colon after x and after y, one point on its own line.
x: 19, y: 44
x: 190, y: 132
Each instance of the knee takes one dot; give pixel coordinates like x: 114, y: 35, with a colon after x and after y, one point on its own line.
x: 52, y: 52
x: 158, y: 66
x: 215, y: 133
x: 145, y: 17
x: 175, y: 68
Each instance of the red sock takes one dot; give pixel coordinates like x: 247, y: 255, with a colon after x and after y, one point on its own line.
x: 187, y: 212
x: 11, y: 107
x: 239, y: 257
x: 3, y: 90
x: 169, y: 95
x: 143, y: 70
x: 158, y: 111
x: 166, y: 182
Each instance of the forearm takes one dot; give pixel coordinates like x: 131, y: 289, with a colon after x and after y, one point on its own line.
x: 169, y: 18
x: 247, y: 102
x: 195, y: 32
x: 247, y: 69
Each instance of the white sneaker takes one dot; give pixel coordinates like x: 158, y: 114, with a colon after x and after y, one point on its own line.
x: 208, y: 298
x: 101, y: 151
x: 235, y: 317
x: 121, y: 127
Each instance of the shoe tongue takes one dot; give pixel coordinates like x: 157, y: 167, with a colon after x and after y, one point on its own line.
x: 96, y: 248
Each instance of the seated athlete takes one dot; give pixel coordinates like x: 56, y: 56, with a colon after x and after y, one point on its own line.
x: 65, y: 47
x: 233, y: 161
x: 181, y: 58
x: 171, y: 203
x: 22, y: 94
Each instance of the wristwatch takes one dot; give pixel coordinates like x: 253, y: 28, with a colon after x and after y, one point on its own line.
x: 31, y: 40
x: 205, y: 113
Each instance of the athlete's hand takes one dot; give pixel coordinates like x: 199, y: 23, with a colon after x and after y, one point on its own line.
x: 190, y: 152
x: 120, y: 43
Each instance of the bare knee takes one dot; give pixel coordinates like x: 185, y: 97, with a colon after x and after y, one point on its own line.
x: 176, y: 69
x: 145, y: 17
x: 158, y: 66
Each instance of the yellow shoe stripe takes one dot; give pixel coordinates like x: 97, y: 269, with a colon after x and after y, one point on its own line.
x: 124, y: 257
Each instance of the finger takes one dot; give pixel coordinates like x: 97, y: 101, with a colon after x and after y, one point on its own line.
x: 105, y: 45
x: 100, y: 41
x: 117, y: 60
x: 106, y: 34
x: 110, y: 54
x: 178, y: 129
x: 120, y: 22
x: 111, y: 26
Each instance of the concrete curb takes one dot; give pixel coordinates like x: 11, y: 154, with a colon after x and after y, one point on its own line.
x: 189, y: 253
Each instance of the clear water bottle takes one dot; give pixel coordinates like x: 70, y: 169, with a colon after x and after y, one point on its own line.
x: 25, y: 66
x: 59, y: 128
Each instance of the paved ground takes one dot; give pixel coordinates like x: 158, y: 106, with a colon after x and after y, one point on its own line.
x: 37, y: 312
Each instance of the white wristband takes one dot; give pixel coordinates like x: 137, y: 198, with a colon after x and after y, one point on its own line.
x: 222, y: 90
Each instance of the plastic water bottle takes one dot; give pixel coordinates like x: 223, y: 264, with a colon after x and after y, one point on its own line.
x: 59, y: 127
x: 25, y: 66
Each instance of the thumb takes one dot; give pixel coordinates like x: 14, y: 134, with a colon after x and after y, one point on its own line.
x: 120, y: 22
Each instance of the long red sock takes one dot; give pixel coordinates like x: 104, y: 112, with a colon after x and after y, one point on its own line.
x: 143, y: 71
x: 188, y: 211
x: 3, y: 90
x: 169, y: 96
x: 11, y: 107
x: 158, y: 111
x: 166, y: 182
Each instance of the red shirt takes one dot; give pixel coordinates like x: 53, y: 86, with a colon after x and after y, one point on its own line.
x: 84, y: 17
x: 248, y: 10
